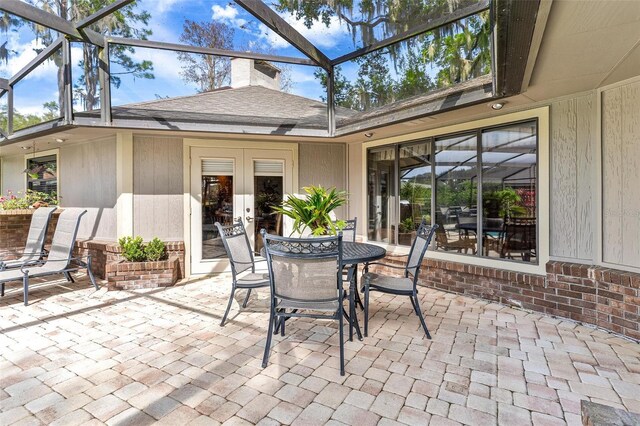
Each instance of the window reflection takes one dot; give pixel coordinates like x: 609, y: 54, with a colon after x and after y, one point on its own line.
x: 415, y: 190
x: 381, y: 194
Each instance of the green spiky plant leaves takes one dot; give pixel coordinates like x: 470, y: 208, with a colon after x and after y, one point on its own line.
x: 313, y: 212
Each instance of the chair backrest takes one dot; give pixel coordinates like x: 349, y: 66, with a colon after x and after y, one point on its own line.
x: 37, y: 232
x: 418, y: 249
x: 64, y: 237
x: 304, y: 270
x: 349, y: 230
x: 520, y: 233
x: 236, y: 243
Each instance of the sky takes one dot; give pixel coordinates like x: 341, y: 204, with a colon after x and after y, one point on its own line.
x: 167, y: 18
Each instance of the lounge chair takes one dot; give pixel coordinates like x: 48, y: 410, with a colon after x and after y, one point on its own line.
x: 34, y: 249
x: 60, y: 259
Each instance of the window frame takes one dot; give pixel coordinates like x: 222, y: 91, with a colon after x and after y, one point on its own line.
x: 40, y: 154
x: 541, y: 116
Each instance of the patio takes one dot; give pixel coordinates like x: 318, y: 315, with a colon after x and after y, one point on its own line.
x: 80, y: 356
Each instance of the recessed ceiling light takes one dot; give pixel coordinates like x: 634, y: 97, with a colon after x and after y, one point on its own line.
x: 368, y: 134
x: 497, y: 106
x: 25, y: 147
x: 60, y: 140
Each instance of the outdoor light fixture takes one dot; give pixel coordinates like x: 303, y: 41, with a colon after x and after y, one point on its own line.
x: 60, y: 140
x: 25, y: 147
x: 497, y: 106
x: 368, y: 134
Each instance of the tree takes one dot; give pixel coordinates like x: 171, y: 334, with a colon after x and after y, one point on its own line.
x: 209, y: 72
x: 440, y: 58
x: 125, y: 22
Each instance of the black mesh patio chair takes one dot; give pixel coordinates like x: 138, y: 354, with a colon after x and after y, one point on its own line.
x: 34, y: 248
x: 243, y: 264
x: 519, y: 238
x: 349, y: 273
x: 305, y: 275
x: 60, y: 259
x: 405, y: 285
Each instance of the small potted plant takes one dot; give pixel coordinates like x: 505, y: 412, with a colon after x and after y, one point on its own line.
x: 406, y: 231
x: 314, y: 213
x: 144, y: 265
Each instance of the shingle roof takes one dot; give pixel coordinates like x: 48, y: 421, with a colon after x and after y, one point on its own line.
x: 249, y: 105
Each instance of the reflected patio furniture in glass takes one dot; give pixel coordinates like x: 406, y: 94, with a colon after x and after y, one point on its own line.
x: 243, y: 264
x: 305, y: 275
x: 60, y: 259
x: 405, y: 285
x: 34, y: 248
x: 519, y: 238
x: 458, y: 243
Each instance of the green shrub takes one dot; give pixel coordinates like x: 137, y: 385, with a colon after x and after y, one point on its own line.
x: 155, y: 250
x: 132, y: 249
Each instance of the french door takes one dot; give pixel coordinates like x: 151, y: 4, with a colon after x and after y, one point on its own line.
x: 232, y: 184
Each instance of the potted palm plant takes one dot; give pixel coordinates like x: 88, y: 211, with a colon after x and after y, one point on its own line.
x: 313, y: 213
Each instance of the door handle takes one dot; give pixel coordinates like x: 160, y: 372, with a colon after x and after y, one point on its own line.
x: 249, y: 218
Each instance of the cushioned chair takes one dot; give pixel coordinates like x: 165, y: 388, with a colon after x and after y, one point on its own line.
x: 305, y: 275
x: 243, y: 265
x: 60, y: 259
x: 405, y: 285
x: 34, y: 248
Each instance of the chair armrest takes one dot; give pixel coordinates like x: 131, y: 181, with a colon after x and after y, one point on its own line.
x: 384, y: 264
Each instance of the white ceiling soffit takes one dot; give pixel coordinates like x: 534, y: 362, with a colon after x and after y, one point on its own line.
x: 586, y: 44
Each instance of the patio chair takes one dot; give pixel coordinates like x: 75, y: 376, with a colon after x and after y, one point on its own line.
x: 60, y: 259
x: 34, y: 248
x: 463, y: 242
x: 349, y: 273
x: 305, y: 274
x: 243, y: 265
x: 405, y: 285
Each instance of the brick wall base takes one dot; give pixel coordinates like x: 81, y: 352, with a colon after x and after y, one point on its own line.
x: 594, y: 295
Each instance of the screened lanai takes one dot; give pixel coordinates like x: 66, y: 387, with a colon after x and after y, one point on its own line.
x: 348, y: 66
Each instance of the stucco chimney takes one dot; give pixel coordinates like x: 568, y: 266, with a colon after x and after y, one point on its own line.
x: 249, y: 72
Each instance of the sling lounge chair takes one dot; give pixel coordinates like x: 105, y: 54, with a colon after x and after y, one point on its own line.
x: 34, y: 249
x: 60, y: 259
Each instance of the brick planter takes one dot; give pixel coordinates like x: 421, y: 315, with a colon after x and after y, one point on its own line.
x: 123, y: 275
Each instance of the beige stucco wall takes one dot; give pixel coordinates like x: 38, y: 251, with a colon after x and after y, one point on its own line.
x: 621, y: 174
x: 157, y: 187
x: 87, y: 178
x: 12, y: 177
x: 324, y: 164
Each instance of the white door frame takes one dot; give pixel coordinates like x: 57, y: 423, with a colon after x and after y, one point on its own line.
x: 189, y: 143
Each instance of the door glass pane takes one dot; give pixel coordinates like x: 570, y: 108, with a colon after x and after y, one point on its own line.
x: 457, y: 193
x: 509, y: 159
x: 381, y: 194
x: 217, y: 206
x: 415, y: 189
x: 268, y: 192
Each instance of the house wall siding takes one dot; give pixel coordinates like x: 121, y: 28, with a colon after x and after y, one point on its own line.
x: 572, y: 192
x: 88, y: 179
x: 323, y: 164
x: 621, y: 175
x: 12, y: 177
x: 158, y: 206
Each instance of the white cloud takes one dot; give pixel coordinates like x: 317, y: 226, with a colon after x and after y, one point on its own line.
x: 227, y: 15
x: 21, y: 55
x: 319, y: 34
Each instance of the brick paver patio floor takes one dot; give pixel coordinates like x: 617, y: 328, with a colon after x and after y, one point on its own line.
x: 80, y: 356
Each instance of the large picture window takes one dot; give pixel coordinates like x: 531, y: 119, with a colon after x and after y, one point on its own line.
x: 478, y: 186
